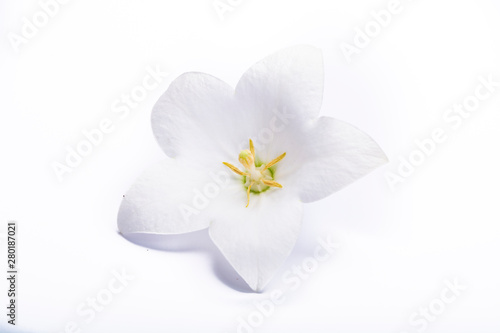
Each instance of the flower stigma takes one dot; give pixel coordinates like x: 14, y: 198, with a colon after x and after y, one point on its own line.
x: 257, y: 177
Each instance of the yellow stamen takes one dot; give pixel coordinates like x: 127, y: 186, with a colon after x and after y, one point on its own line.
x: 235, y: 169
x: 273, y: 162
x: 248, y: 193
x: 271, y: 183
x: 252, y: 149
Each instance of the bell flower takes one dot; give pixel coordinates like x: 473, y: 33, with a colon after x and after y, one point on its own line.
x: 242, y: 162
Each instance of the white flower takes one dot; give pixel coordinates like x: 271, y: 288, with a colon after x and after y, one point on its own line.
x: 201, y: 123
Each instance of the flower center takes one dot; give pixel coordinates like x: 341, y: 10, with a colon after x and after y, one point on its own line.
x: 257, y: 177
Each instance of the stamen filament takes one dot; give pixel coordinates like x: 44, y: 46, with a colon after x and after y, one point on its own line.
x: 235, y: 169
x: 248, y: 193
x: 273, y: 162
x: 271, y: 183
x: 252, y: 148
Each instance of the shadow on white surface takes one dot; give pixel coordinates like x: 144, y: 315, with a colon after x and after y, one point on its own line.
x: 198, y: 241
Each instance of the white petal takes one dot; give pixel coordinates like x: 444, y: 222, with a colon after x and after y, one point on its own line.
x: 165, y: 200
x: 194, y: 119
x: 203, y: 120
x: 290, y: 81
x: 337, y: 154
x: 256, y: 240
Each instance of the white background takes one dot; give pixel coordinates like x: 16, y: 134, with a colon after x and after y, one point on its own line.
x: 398, y: 247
